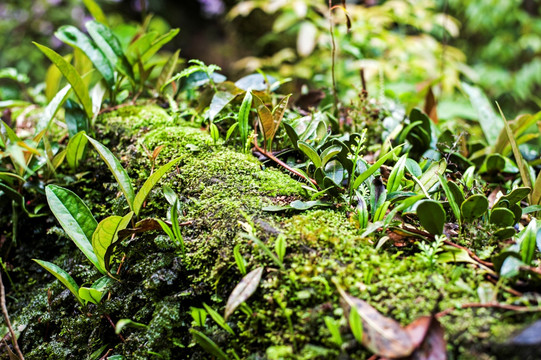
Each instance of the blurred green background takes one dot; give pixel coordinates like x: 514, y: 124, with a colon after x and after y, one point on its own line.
x: 403, y: 46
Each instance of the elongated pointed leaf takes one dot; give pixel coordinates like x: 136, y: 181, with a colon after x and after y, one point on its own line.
x: 167, y: 71
x: 310, y: 152
x: 49, y: 112
x: 74, y: 217
x: 528, y: 242
x: 110, y: 46
x: 75, y: 118
x: 430, y: 176
x: 243, y: 118
x: 536, y: 194
x: 116, y: 168
x: 63, y: 277
x: 149, y: 184
x: 209, y: 345
x: 95, y: 10
x: 76, y: 149
x: 106, y: 234
x: 490, y: 123
x: 243, y: 291
x: 72, y: 76
x: 218, y: 319
x: 381, y: 335
x: 158, y: 43
x: 373, y: 168
x: 397, y: 174
x: 75, y: 38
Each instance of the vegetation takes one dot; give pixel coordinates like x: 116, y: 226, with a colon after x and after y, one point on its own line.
x: 348, y: 196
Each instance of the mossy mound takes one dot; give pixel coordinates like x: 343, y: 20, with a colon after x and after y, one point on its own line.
x: 222, y: 193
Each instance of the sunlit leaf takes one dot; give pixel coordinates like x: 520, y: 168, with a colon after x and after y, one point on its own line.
x: 63, y: 277
x: 150, y: 183
x: 106, y: 234
x: 95, y: 10
x: 69, y: 72
x: 118, y: 171
x: 75, y: 218
x: 74, y: 37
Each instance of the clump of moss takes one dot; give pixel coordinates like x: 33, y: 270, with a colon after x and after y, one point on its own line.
x: 222, y: 191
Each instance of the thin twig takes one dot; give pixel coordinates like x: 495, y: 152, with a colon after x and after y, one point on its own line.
x: 8, y: 322
x: 114, y: 326
x: 283, y: 164
x: 333, y: 57
x: 488, y: 305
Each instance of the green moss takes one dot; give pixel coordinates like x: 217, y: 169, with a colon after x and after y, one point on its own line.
x: 220, y: 189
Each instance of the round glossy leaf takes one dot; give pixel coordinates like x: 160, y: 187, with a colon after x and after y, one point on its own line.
x: 505, y: 233
x: 502, y: 217
x: 432, y: 216
x: 335, y: 171
x: 473, y: 207
x: 495, y: 163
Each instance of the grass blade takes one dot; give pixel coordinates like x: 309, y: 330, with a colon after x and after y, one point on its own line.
x: 63, y: 277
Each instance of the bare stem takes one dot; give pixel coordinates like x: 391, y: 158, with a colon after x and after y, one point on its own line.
x: 333, y: 57
x: 8, y: 322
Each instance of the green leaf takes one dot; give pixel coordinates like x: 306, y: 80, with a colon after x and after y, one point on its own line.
x: 63, y: 277
x: 218, y: 319
x: 335, y: 171
x: 457, y: 192
x: 243, y: 118
x: 432, y: 216
x: 430, y: 176
x: 209, y: 345
x: 77, y: 39
x: 199, y: 316
x: 239, y: 259
x: 49, y: 112
x: 72, y: 76
x: 356, y: 324
x: 243, y: 290
x: 536, y: 194
x: 118, y: 171
x: 375, y: 167
x: 166, y: 229
x: 110, y: 46
x: 90, y: 295
x: 528, y: 242
x: 219, y: 102
x: 76, y: 149
x: 123, y: 323
x: 334, y: 328
x: 105, y: 235
x: 522, y: 166
x: 310, y: 152
x: 95, y: 10
x: 280, y: 247
x: 167, y: 71
x: 150, y: 183
x: 397, y: 174
x: 515, y: 195
x: 157, y: 44
x: 502, y: 217
x: 490, y: 122
x: 305, y: 205
x: 450, y: 197
x: 75, y: 218
x: 473, y: 207
x: 75, y: 118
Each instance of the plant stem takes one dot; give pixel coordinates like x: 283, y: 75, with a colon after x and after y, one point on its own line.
x: 488, y: 305
x: 6, y: 318
x: 333, y: 60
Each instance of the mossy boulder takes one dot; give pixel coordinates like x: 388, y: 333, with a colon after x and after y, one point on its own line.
x: 222, y: 193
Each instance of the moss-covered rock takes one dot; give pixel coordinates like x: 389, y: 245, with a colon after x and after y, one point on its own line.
x: 222, y: 194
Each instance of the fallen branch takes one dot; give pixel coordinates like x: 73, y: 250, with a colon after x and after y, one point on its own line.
x: 6, y: 317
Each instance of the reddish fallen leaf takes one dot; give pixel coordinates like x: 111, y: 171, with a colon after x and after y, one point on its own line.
x: 381, y: 335
x: 432, y: 345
